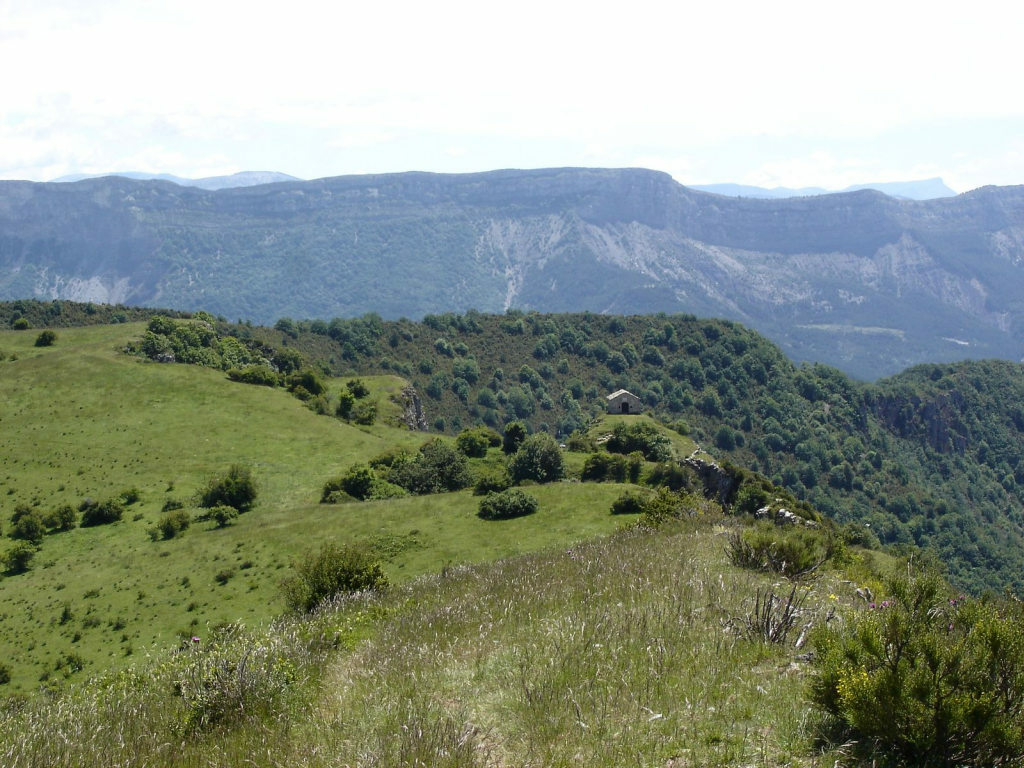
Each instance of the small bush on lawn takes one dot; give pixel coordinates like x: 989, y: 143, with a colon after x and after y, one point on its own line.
x: 630, y: 503
x: 46, y: 338
x: 332, y: 571
x: 511, y: 503
x: 173, y: 523
x: 101, y: 513
x: 235, y: 489
x: 19, y: 557
x: 928, y: 677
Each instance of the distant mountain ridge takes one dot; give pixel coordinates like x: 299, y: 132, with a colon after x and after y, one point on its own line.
x: 860, y: 280
x: 241, y: 179
x: 924, y: 189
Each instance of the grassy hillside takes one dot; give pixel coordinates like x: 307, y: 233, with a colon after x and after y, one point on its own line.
x: 83, y: 420
x: 625, y: 650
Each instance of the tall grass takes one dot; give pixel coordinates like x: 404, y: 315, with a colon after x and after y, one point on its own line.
x: 627, y: 650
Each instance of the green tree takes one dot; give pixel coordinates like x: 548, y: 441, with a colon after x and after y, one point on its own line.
x: 515, y: 434
x: 435, y: 469
x: 539, y: 459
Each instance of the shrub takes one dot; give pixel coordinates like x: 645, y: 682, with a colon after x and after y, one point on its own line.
x: 491, y: 482
x: 5, y: 673
x: 513, y: 502
x: 641, y: 436
x: 346, y: 400
x: 539, y: 459
x: 235, y: 678
x: 580, y: 442
x: 665, y: 506
x: 19, y: 557
x: 235, y: 489
x: 630, y: 503
x: 333, y: 570
x: 173, y: 523
x: 29, y: 527
x: 603, y: 466
x: 473, y: 442
x: 223, y: 515
x: 46, y: 338
x: 927, y: 677
x: 435, y: 469
x: 63, y: 518
x: 357, y: 482
x: 21, y: 324
x: 364, y: 412
x: 101, y: 513
x: 260, y: 375
x: 789, y: 551
x: 357, y: 388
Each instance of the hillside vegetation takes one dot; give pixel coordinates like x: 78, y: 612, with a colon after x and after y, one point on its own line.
x: 932, y: 457
x: 183, y: 542
x: 82, y: 420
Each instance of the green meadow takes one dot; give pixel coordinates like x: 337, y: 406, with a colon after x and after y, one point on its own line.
x: 81, y: 419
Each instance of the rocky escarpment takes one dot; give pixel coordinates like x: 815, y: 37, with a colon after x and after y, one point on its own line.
x: 859, y: 280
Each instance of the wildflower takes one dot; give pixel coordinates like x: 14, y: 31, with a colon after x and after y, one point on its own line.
x: 833, y: 597
x: 195, y: 639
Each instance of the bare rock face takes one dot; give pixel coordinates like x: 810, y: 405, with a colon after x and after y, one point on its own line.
x: 719, y: 484
x: 412, y: 410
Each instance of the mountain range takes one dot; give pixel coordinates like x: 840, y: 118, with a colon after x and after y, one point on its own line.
x: 860, y: 280
x: 923, y: 189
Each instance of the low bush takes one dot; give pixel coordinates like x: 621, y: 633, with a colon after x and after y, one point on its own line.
x: 641, y: 436
x: 174, y: 523
x: 46, y: 338
x: 332, y: 571
x: 235, y: 489
x: 513, y: 502
x: 491, y: 482
x: 29, y: 527
x: 101, y: 513
x: 18, y: 558
x: 364, y: 413
x: 260, y: 375
x: 63, y: 518
x: 223, y: 515
x: 235, y: 678
x: 787, y: 550
x: 927, y: 677
x: 630, y: 503
x: 473, y: 442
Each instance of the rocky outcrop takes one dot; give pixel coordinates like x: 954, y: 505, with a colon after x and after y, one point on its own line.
x: 412, y: 410
x: 719, y: 483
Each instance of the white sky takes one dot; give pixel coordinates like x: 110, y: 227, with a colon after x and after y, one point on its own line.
x: 768, y: 93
